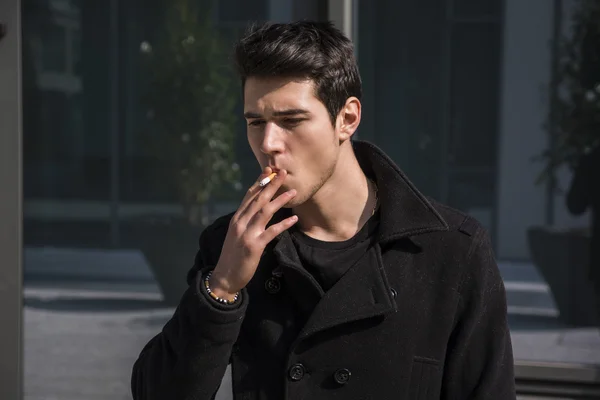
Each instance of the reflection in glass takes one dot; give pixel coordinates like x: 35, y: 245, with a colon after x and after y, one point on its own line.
x: 189, y: 133
x: 133, y: 140
x: 458, y: 93
x: 569, y: 258
x: 131, y: 144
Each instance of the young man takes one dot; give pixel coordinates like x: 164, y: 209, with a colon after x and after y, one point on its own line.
x: 338, y: 279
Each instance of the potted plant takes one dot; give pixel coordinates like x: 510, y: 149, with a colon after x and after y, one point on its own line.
x: 190, y: 132
x: 563, y: 255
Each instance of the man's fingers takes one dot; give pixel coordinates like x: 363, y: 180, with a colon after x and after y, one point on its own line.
x: 264, y: 215
x: 255, y: 188
x: 261, y: 199
x: 251, y: 193
x: 275, y: 229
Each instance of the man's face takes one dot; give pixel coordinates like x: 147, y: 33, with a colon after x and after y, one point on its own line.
x: 289, y: 128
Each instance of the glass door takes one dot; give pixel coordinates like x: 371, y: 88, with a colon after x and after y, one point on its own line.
x: 117, y: 96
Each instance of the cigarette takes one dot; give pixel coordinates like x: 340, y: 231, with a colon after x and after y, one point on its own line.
x: 268, y: 179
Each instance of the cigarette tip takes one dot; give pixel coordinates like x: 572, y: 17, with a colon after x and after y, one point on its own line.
x: 268, y: 179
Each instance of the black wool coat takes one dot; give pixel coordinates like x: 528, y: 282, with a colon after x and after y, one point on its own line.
x: 421, y: 316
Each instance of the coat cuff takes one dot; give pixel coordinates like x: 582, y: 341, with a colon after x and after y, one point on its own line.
x: 202, y: 308
x: 201, y: 290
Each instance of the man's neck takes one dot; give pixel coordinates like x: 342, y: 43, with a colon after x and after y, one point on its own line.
x: 342, y: 206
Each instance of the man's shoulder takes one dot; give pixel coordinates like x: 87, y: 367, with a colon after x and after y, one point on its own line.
x: 466, y: 240
x: 459, y: 222
x: 469, y: 243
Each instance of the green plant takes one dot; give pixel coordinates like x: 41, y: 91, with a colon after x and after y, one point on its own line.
x: 191, y: 99
x: 574, y: 124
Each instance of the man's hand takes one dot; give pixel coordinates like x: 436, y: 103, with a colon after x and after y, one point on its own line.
x: 248, y: 236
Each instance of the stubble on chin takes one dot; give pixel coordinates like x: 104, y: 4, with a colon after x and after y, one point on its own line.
x: 302, y: 198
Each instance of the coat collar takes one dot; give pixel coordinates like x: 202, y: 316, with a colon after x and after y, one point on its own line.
x: 404, y: 211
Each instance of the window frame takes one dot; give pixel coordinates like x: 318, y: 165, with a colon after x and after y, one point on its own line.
x: 11, y: 277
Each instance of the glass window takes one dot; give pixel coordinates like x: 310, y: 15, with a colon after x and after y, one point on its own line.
x: 118, y: 182
x: 53, y: 47
x: 465, y: 102
x: 405, y: 112
x: 133, y: 141
x: 477, y: 8
x: 239, y: 11
x: 474, y: 86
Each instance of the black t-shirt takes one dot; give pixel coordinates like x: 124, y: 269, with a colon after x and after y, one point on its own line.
x: 327, y: 262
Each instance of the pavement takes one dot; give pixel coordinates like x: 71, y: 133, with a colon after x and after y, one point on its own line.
x: 88, y: 313
x: 80, y: 343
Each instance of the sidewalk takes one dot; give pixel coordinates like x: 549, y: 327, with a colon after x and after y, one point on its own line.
x: 88, y: 314
x: 81, y: 344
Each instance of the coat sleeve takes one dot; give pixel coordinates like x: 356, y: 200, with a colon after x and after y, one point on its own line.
x: 188, y: 358
x: 479, y: 363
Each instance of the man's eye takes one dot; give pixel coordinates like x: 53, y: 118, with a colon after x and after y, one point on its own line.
x: 292, y: 121
x: 256, y: 123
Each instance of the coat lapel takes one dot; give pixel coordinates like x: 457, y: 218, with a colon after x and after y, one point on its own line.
x: 299, y: 283
x: 362, y: 292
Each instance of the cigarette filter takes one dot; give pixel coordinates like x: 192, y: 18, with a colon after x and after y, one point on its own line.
x: 268, y: 179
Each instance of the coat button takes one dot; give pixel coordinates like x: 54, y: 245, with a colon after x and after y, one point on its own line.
x: 342, y: 376
x: 296, y: 372
x: 272, y: 285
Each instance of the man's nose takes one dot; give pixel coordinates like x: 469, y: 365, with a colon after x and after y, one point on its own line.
x: 272, y: 141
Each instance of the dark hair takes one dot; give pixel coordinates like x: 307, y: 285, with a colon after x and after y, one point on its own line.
x: 305, y: 49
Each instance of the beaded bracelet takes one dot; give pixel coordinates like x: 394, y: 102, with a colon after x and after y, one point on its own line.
x: 214, y: 296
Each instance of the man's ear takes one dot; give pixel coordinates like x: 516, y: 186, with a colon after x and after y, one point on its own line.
x: 349, y: 118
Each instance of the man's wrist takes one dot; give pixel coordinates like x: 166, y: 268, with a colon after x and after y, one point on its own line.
x: 218, y: 289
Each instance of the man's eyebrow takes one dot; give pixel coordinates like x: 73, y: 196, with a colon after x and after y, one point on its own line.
x: 293, y: 111
x: 282, y: 113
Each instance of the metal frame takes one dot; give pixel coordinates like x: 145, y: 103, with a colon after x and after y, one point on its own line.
x: 554, y: 98
x: 342, y: 13
x: 496, y: 173
x: 115, y: 116
x: 11, y: 375
x: 449, y: 172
